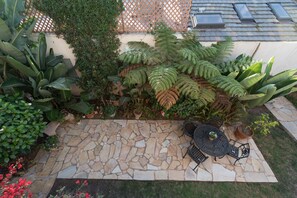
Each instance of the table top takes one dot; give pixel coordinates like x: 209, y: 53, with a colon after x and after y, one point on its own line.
x: 217, y: 147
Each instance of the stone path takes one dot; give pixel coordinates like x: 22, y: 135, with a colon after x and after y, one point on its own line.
x: 286, y: 114
x: 137, y: 150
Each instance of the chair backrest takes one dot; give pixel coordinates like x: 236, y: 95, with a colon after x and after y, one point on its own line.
x: 241, y: 151
x: 196, y: 154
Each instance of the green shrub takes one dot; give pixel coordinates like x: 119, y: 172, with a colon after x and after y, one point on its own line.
x: 263, y: 123
x: 20, y: 126
x: 90, y: 28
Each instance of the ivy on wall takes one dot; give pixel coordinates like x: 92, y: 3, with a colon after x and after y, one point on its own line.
x: 89, y: 26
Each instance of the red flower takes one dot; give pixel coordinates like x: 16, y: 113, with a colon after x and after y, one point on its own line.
x: 1, y: 177
x: 85, y: 182
x: 77, y: 182
x: 87, y: 195
x: 8, y: 175
x: 20, y: 165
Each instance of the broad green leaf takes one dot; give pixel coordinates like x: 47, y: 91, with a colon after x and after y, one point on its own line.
x: 251, y: 80
x: 45, y: 93
x: 61, y: 84
x: 251, y: 96
x: 41, y: 51
x: 44, y: 100
x: 281, y: 76
x: 12, y: 51
x: 268, y: 69
x: 5, y: 34
x: 253, y: 69
x: 43, y: 106
x: 59, y: 71
x: 14, y: 10
x: 81, y: 107
x: 13, y: 82
x: 21, y: 67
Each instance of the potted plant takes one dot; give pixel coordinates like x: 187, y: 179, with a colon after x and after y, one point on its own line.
x: 261, y: 124
x: 110, y: 111
x: 212, y: 135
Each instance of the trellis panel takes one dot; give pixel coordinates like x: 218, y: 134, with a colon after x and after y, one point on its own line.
x: 138, y: 16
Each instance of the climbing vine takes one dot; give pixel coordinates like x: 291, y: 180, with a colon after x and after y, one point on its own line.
x: 89, y: 26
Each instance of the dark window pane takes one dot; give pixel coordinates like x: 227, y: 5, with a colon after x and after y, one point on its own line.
x: 208, y: 20
x: 243, y: 12
x: 279, y: 11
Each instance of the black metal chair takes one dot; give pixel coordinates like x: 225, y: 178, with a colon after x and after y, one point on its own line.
x: 196, y: 155
x: 238, y: 152
x: 189, y: 127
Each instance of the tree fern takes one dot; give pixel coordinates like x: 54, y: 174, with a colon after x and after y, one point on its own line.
x: 188, y: 87
x: 207, y: 95
x: 136, y: 77
x: 229, y: 85
x: 168, y: 98
x: 189, y: 40
x: 202, y: 69
x: 162, y: 78
x: 126, y: 70
x: 241, y: 63
x: 224, y: 49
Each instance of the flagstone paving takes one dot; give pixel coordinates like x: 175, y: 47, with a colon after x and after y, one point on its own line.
x: 137, y: 150
x: 286, y: 114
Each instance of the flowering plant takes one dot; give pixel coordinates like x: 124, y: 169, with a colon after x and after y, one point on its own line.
x: 14, y: 190
x: 77, y: 193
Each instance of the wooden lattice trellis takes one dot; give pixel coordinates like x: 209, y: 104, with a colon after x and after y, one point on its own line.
x: 138, y: 16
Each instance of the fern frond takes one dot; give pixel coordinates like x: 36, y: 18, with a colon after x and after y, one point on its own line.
x: 136, y: 77
x: 132, y: 56
x: 202, y: 69
x: 188, y: 87
x: 229, y: 85
x: 189, y: 40
x: 207, y: 96
x: 206, y: 53
x: 166, y: 42
x: 241, y: 63
x: 189, y: 55
x: 126, y: 70
x: 168, y: 98
x: 224, y: 49
x: 135, y: 45
x: 162, y: 78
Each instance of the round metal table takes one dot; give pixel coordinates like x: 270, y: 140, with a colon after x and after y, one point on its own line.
x: 217, y: 147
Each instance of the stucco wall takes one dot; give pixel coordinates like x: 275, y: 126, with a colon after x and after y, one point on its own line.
x: 285, y: 52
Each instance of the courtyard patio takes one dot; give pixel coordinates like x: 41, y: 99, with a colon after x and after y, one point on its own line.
x: 138, y: 150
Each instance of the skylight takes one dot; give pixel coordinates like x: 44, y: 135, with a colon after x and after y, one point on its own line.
x: 208, y: 20
x: 243, y: 12
x: 280, y: 13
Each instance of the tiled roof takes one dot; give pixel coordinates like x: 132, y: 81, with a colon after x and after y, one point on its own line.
x: 265, y: 28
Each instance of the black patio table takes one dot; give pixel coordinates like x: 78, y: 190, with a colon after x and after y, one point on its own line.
x: 217, y: 147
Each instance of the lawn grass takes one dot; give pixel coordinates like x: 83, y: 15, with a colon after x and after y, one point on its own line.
x: 278, y: 148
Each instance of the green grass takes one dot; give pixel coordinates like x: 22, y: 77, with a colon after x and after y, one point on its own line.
x: 278, y: 148
x: 292, y: 98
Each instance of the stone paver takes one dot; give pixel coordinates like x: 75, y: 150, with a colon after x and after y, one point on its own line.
x: 138, y: 150
x: 286, y: 113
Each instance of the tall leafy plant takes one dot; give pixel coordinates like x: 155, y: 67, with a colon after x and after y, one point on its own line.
x: 175, y: 67
x: 90, y: 28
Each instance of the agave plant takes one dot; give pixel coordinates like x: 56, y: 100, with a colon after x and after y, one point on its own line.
x: 262, y: 87
x: 26, y: 68
x: 173, y: 66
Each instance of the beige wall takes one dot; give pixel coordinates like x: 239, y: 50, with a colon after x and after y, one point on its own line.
x: 285, y: 52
